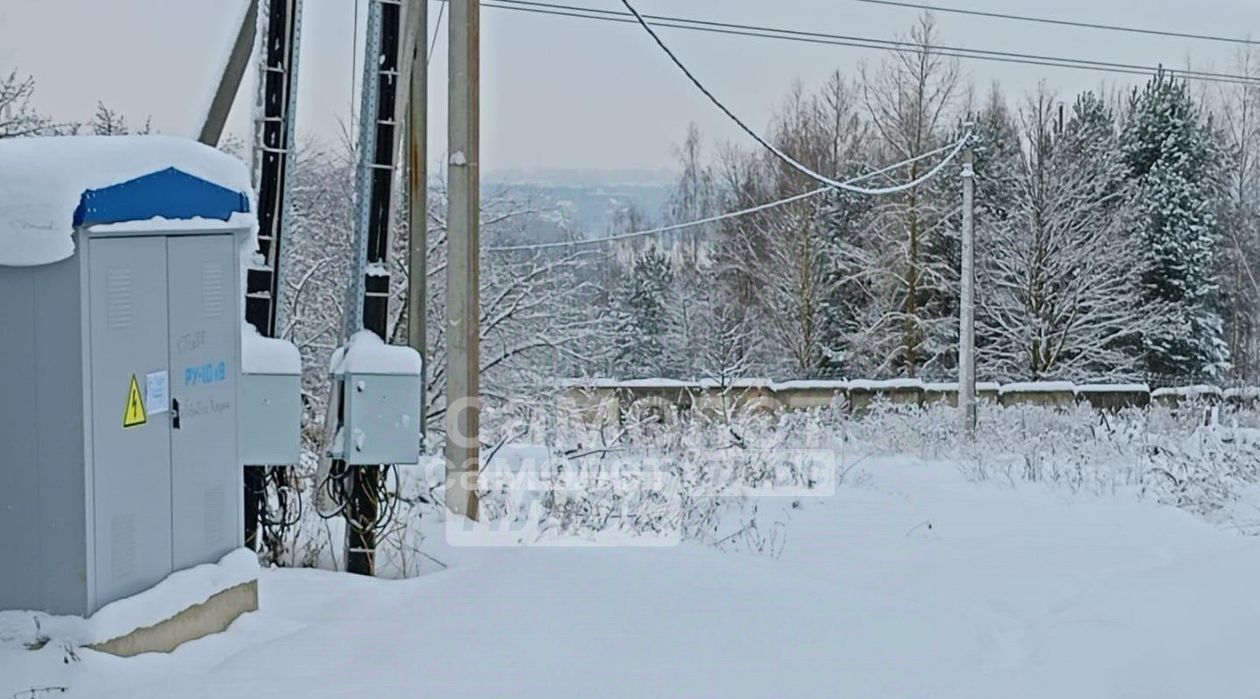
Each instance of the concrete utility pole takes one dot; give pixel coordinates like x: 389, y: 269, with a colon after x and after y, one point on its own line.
x: 418, y: 193
x: 967, y: 305
x: 463, y: 332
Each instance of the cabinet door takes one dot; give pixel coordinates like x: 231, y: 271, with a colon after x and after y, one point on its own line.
x: 204, y: 323
x: 131, y: 476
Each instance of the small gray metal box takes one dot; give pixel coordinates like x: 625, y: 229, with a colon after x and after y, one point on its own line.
x: 271, y: 418
x: 382, y: 420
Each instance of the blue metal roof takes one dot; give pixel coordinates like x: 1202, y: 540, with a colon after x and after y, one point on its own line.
x: 169, y: 193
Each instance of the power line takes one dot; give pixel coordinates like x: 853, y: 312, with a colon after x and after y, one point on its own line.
x: 952, y: 149
x: 437, y: 28
x: 663, y: 229
x: 787, y: 159
x: 819, y: 38
x: 1062, y: 22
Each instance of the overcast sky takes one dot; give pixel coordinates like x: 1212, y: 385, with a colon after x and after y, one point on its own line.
x: 570, y: 93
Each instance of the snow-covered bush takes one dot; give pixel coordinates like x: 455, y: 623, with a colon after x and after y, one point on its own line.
x: 726, y: 482
x: 1168, y: 454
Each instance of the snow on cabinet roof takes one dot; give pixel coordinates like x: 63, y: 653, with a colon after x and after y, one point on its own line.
x: 268, y: 355
x: 368, y: 354
x: 44, y: 182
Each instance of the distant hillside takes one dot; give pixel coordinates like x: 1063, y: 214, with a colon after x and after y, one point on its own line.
x: 574, y: 203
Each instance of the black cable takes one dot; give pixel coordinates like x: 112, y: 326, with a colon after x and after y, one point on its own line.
x: 799, y: 36
x: 1061, y: 22
x: 885, y: 42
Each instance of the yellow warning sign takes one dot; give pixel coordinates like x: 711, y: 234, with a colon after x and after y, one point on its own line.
x: 135, y: 414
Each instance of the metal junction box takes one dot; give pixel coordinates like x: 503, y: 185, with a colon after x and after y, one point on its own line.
x: 271, y: 400
x: 381, y: 390
x: 119, y: 427
x: 271, y: 418
x: 382, y: 423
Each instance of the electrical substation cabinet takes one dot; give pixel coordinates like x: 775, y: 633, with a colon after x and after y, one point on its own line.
x: 381, y: 401
x: 122, y: 322
x: 271, y: 401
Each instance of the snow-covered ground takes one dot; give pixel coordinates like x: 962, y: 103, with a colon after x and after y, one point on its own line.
x: 911, y: 581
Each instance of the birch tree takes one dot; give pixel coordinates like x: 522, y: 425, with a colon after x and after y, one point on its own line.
x: 1239, y: 110
x: 910, y: 99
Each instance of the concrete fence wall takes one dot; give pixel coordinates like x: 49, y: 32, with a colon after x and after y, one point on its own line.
x: 602, y: 401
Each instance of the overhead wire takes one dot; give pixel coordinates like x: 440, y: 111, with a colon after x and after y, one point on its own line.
x: 773, y: 149
x: 354, y: 59
x: 952, y: 149
x: 437, y: 28
x: 828, y: 39
x: 634, y: 17
x: 1062, y: 22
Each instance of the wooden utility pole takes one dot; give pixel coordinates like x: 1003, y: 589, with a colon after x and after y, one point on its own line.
x: 418, y: 193
x: 463, y: 332
x: 967, y: 303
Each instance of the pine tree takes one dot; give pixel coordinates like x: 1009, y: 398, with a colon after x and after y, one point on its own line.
x: 108, y: 122
x: 1174, y: 159
x: 847, y: 285
x: 643, y: 315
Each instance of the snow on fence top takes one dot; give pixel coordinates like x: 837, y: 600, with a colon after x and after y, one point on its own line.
x: 268, y: 355
x: 887, y: 385
x: 1186, y: 391
x: 952, y: 386
x: 368, y: 354
x: 655, y: 383
x: 982, y: 387
x: 43, y: 180
x: 1113, y: 388
x: 1039, y: 387
x: 1246, y: 393
x: 811, y: 385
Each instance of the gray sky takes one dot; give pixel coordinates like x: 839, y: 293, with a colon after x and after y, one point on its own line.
x: 569, y: 93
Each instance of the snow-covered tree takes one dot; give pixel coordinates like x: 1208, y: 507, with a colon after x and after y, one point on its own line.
x: 18, y: 117
x: 910, y: 99
x: 108, y: 122
x: 782, y: 262
x: 1238, y: 106
x: 1057, y: 274
x: 539, y: 318
x: 643, y: 316
x: 1174, y: 158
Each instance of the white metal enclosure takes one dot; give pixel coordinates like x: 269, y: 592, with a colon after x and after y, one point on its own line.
x: 119, y: 434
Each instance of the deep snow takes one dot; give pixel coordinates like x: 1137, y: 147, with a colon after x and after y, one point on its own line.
x: 909, y: 582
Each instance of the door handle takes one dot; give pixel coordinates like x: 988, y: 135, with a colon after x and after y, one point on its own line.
x: 175, y: 413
